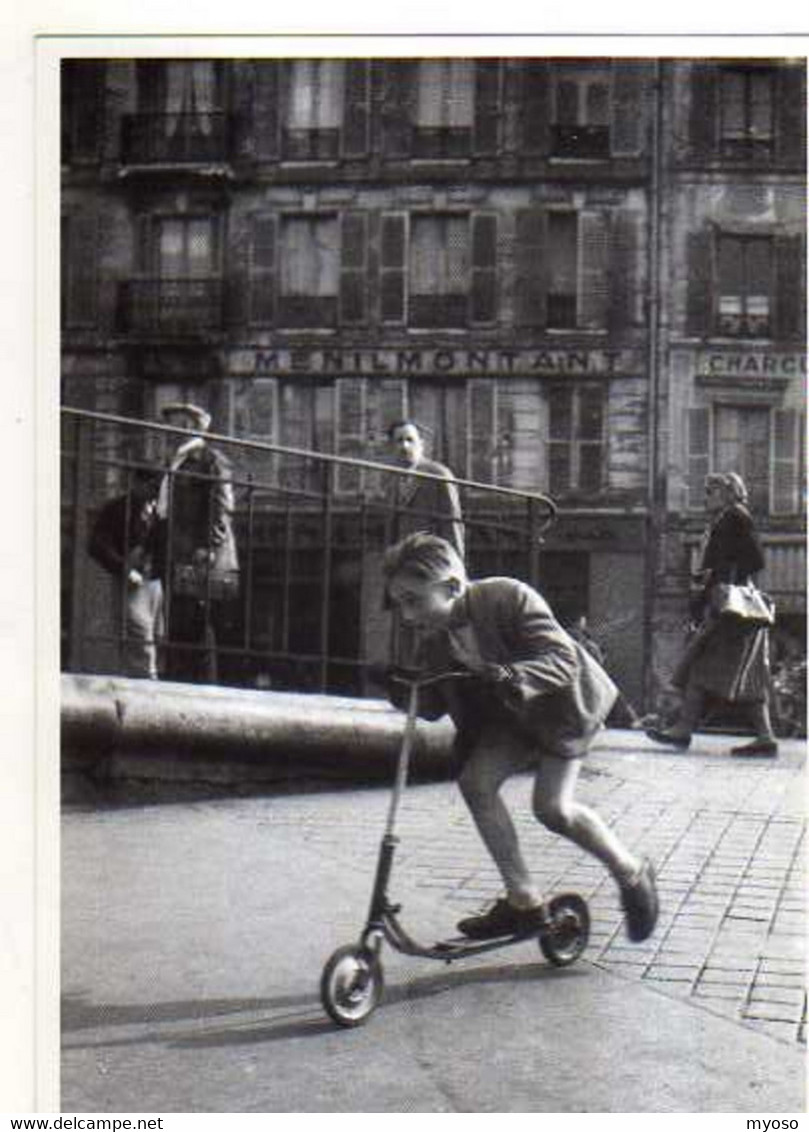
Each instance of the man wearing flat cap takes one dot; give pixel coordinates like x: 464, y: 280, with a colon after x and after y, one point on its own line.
x: 197, y: 549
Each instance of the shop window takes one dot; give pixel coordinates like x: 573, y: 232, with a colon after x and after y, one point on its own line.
x: 580, y: 125
x: 314, y: 110
x: 746, y: 118
x: 745, y: 286
x: 576, y: 445
x: 444, y: 109
x: 451, y: 269
x: 309, y: 271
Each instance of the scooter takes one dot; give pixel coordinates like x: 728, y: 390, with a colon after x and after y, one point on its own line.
x: 352, y: 983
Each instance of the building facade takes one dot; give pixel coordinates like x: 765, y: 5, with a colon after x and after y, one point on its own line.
x: 732, y: 392
x: 515, y: 252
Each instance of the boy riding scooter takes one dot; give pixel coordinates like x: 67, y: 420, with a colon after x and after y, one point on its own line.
x: 535, y: 701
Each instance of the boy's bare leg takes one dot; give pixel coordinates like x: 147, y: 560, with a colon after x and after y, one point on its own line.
x: 556, y: 807
x: 480, y: 782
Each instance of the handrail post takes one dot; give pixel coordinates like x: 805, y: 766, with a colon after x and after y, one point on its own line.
x: 78, y: 582
x: 325, y: 604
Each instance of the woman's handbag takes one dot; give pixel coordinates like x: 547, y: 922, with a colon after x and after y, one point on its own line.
x: 744, y: 602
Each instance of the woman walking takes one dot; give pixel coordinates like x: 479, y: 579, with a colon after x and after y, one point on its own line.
x: 727, y: 657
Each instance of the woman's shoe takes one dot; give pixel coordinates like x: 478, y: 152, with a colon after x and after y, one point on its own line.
x: 670, y: 738
x: 763, y: 748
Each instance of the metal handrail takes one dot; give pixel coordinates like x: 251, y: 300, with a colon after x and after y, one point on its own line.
x: 322, y: 457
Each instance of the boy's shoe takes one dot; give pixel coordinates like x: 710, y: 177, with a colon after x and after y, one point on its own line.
x: 767, y: 748
x: 668, y: 737
x: 501, y: 918
x: 641, y: 906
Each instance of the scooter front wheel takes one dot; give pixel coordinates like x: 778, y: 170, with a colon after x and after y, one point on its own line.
x: 351, y: 985
x: 565, y: 936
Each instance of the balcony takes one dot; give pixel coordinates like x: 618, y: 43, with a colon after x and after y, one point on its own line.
x: 441, y: 143
x: 176, y: 139
x: 588, y: 143
x: 311, y: 145
x: 434, y: 312
x: 171, y: 308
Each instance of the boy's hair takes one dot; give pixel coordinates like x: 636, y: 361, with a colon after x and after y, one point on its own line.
x: 426, y: 557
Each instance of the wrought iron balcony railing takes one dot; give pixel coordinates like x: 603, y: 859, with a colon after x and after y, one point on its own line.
x: 176, y: 139
x: 174, y: 308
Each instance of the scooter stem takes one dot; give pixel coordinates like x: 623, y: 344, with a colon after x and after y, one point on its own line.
x: 403, y: 765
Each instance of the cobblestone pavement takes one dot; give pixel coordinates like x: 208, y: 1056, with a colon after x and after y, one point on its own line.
x: 728, y: 840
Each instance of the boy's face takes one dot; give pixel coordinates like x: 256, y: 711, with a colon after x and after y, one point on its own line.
x: 422, y: 603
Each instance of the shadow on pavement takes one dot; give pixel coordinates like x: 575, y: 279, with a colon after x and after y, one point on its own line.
x: 295, y: 1016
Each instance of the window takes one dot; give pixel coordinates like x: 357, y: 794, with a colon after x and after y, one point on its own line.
x: 576, y: 420
x: 439, y: 270
x: 309, y: 271
x: 451, y: 270
x: 745, y: 286
x: 563, y: 260
x: 764, y: 444
x: 181, y: 292
x: 179, y: 117
x: 314, y: 110
x: 581, y: 113
x: 746, y: 112
x: 444, y: 111
x: 562, y: 269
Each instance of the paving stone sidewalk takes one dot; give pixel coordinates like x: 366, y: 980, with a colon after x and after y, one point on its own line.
x: 728, y: 840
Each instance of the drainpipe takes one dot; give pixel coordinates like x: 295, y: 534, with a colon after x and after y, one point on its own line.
x: 656, y: 503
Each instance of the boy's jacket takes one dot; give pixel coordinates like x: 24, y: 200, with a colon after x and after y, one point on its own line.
x: 557, y: 695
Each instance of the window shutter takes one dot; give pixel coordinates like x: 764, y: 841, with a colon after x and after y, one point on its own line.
x: 392, y: 267
x: 256, y: 418
x: 482, y: 414
x: 790, y: 288
x: 266, y: 116
x: 786, y: 439
x: 82, y: 109
x: 624, y: 270
x: 351, y: 411
x: 530, y: 282
x: 698, y: 431
x: 356, y: 121
x: 353, y: 251
x: 790, y: 109
x: 387, y: 403
x: 80, y: 272
x: 699, y: 299
x: 487, y: 106
x: 535, y: 108
x: 704, y: 109
x: 263, y: 259
x: 395, y: 111
x: 594, y: 258
x: 484, y: 268
x: 628, y: 105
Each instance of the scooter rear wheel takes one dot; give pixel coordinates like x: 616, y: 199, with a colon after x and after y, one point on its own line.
x: 567, y: 931
x: 351, y: 985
